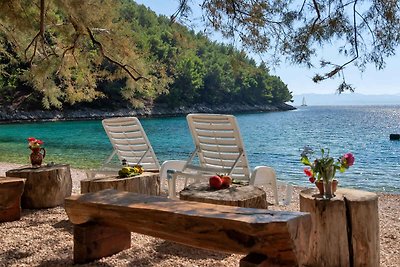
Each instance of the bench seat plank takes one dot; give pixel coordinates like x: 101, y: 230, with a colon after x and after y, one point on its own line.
x: 277, y: 234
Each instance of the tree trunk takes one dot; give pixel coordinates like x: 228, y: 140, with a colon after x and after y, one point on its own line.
x: 45, y: 187
x: 146, y: 183
x: 235, y: 195
x: 340, y: 234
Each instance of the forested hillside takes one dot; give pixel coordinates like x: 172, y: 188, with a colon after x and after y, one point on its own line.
x: 176, y: 67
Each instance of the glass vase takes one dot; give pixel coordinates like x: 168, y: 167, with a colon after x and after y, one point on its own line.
x: 328, y: 194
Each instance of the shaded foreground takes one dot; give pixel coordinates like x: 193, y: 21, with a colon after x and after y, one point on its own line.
x: 44, y: 237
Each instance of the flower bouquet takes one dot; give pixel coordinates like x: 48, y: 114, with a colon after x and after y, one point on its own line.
x: 324, y: 168
x: 36, y: 157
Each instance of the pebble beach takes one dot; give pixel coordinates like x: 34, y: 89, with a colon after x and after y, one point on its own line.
x: 44, y: 238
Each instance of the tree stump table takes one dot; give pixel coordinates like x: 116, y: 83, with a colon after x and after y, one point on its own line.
x: 46, y: 186
x: 11, y: 190
x: 236, y: 195
x: 146, y: 183
x: 345, y: 229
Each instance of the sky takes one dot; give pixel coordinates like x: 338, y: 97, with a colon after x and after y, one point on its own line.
x: 299, y: 78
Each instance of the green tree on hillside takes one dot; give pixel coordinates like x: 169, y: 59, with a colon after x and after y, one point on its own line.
x: 117, y: 53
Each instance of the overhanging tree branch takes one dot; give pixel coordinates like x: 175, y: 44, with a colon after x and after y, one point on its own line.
x: 40, y: 34
x: 122, y: 66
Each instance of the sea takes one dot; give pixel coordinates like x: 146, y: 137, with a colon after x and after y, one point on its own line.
x: 273, y: 139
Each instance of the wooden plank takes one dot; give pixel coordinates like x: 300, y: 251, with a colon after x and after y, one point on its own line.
x: 216, y: 227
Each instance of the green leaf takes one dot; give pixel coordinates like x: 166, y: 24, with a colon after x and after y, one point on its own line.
x: 305, y: 161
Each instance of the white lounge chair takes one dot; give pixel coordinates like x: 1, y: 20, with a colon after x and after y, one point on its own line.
x: 130, y: 143
x: 220, y: 149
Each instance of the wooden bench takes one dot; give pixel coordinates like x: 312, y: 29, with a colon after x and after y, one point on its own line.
x: 103, y: 221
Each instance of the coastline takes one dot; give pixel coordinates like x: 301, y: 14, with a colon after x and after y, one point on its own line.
x: 10, y: 115
x: 44, y: 238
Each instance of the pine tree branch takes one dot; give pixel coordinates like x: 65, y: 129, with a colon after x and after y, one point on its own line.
x: 40, y: 34
x: 122, y: 66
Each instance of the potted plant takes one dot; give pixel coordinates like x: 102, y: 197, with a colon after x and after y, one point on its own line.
x: 323, y: 169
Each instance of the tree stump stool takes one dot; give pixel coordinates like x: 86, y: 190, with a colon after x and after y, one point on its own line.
x: 345, y: 229
x: 147, y: 183
x: 236, y: 195
x: 11, y: 190
x: 45, y: 186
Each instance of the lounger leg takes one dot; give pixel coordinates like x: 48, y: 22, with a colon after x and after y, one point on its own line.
x: 171, y: 177
x: 93, y: 241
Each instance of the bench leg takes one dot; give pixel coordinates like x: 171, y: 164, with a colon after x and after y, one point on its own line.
x: 11, y: 213
x: 259, y: 260
x: 93, y: 241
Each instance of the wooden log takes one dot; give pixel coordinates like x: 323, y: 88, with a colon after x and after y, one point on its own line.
x: 345, y: 229
x: 45, y: 186
x: 93, y: 241
x: 235, y: 195
x: 280, y: 235
x: 146, y: 183
x: 11, y: 190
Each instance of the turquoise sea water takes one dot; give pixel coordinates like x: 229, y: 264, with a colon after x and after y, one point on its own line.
x: 274, y: 139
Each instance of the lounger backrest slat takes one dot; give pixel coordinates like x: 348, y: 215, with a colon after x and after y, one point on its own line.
x: 130, y: 142
x: 219, y: 143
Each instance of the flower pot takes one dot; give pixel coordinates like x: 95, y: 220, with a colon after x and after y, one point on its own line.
x: 320, y: 186
x: 334, y: 185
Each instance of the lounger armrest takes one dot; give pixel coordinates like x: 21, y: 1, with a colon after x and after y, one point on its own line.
x: 265, y: 176
x: 176, y: 165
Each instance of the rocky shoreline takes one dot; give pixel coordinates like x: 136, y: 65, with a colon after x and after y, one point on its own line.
x: 9, y: 115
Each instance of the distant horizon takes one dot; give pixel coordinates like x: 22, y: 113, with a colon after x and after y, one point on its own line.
x: 348, y: 93
x: 322, y: 99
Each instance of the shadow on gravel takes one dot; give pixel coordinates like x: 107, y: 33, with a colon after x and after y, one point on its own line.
x: 12, y: 254
x: 187, y: 252
x: 66, y: 225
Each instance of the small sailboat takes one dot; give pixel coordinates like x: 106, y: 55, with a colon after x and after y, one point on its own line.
x: 303, y: 103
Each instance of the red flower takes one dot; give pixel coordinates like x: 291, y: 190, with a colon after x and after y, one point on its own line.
x: 312, y: 179
x: 349, y: 159
x: 40, y: 142
x: 308, y: 172
x: 31, y: 139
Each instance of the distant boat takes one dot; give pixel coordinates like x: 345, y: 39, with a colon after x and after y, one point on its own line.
x: 303, y: 103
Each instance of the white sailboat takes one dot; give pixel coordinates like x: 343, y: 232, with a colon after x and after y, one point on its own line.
x: 303, y: 103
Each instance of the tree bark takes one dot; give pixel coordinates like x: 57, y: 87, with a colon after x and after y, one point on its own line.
x: 240, y: 196
x: 146, y: 183
x: 340, y: 234
x: 45, y: 187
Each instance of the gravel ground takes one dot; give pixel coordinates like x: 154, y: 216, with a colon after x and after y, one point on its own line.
x: 44, y: 238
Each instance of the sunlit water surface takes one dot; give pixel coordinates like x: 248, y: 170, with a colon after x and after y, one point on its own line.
x: 273, y: 139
